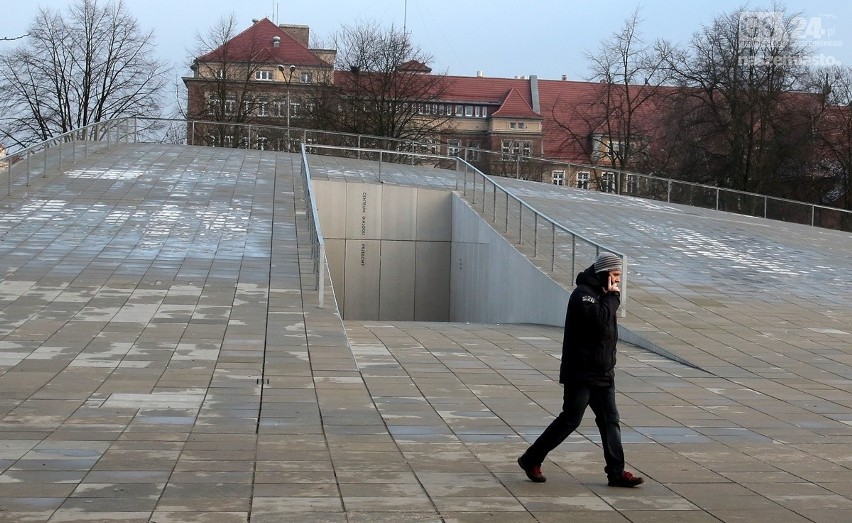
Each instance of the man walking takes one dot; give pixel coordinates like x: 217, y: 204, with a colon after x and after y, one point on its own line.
x: 588, y: 372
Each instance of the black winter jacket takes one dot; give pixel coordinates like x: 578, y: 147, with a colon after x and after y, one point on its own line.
x: 591, y: 333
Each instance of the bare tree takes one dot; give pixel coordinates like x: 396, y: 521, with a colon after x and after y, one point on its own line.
x: 615, y: 123
x: 91, y: 64
x: 227, y: 73
x: 738, y: 122
x: 833, y: 128
x: 386, y: 88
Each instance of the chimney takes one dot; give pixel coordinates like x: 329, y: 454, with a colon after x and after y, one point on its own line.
x: 276, y: 41
x: 564, y: 77
x: 480, y: 74
x: 534, y: 93
x: 301, y: 33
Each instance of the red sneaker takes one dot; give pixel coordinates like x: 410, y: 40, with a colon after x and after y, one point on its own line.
x: 533, y: 472
x: 626, y: 479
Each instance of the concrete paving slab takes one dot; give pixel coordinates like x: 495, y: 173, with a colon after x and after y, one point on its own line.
x: 162, y: 359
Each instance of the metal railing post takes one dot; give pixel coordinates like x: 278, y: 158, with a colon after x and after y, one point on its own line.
x: 321, y: 275
x: 552, y: 247
x: 494, y: 206
x: 520, y: 223
x: 573, y: 256
x: 624, y: 286
x: 535, y: 235
x: 506, y: 227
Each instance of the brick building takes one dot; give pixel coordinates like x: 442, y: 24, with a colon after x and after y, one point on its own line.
x: 265, y: 75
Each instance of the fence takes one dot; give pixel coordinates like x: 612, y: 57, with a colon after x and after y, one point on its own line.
x: 254, y: 136
x: 554, y: 248
x: 66, y: 149
x: 545, y: 240
x: 314, y: 229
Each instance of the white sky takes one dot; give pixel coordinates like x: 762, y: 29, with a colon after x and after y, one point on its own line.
x: 502, y: 38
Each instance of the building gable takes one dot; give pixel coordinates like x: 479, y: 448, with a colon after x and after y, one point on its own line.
x: 264, y: 42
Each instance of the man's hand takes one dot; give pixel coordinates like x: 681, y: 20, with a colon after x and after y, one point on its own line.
x: 611, y: 285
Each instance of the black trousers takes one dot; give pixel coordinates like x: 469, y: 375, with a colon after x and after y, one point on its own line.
x: 576, y: 397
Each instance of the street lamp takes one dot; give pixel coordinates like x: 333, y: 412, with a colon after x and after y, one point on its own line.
x: 289, y: 79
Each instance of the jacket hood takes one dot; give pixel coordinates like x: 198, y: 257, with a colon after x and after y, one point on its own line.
x: 588, y: 277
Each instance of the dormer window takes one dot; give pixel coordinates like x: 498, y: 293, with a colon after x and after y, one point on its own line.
x: 263, y: 74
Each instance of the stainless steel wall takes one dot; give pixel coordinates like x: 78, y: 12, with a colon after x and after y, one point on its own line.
x: 494, y: 283
x: 388, y: 249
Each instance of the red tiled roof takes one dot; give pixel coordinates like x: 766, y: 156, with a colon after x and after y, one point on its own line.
x: 572, y: 110
x: 514, y: 106
x: 567, y: 108
x: 255, y: 45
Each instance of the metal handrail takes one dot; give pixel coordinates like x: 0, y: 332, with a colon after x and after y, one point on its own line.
x: 315, y: 230
x: 95, y: 132
x: 808, y: 214
x: 464, y: 168
x: 536, y: 216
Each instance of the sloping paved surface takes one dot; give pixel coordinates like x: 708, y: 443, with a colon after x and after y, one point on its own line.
x: 163, y: 358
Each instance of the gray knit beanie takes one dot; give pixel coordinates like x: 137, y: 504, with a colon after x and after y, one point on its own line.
x: 607, y: 261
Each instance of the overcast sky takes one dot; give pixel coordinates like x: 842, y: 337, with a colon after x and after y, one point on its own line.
x: 502, y: 38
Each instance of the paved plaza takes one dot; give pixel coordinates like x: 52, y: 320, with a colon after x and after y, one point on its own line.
x: 163, y: 357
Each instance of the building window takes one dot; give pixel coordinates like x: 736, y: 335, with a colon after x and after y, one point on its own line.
x: 453, y: 147
x: 631, y: 183
x: 459, y: 110
x: 229, y: 140
x: 615, y: 148
x: 307, y: 77
x: 230, y: 105
x: 281, y: 108
x: 608, y: 182
x: 220, y: 74
x: 468, y: 110
x: 583, y: 179
x: 558, y: 177
x: 295, y: 108
x: 517, y: 125
x: 473, y: 153
x: 514, y: 148
x: 263, y: 74
x: 430, y: 146
x: 263, y: 108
